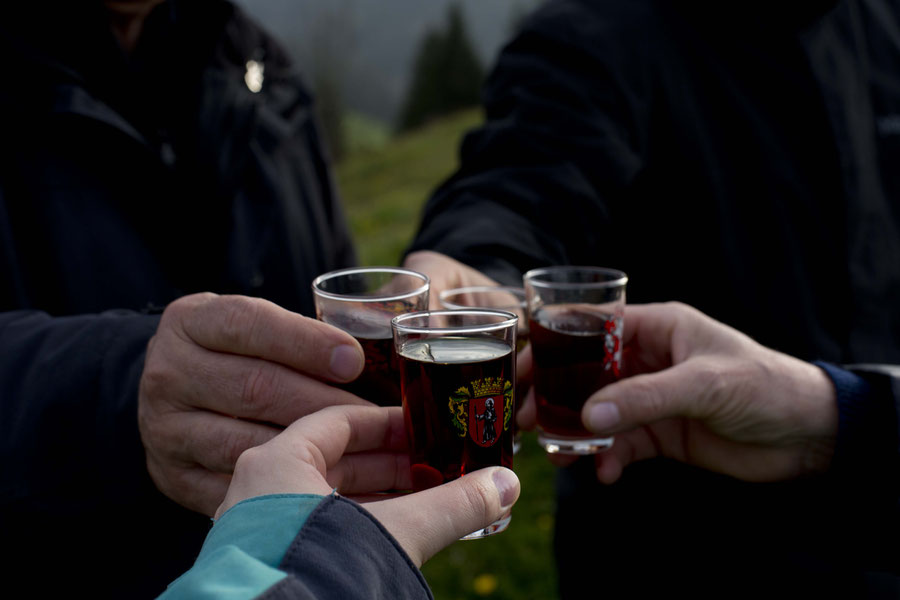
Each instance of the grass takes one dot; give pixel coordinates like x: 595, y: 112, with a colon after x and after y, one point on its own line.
x: 517, y: 563
x: 383, y: 186
x: 384, y: 182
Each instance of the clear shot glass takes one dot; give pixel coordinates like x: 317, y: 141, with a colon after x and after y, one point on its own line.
x: 576, y: 317
x: 362, y: 301
x: 457, y: 378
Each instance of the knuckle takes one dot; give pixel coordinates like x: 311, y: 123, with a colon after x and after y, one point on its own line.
x: 238, y: 442
x: 711, y: 379
x: 683, y: 313
x: 179, y: 309
x: 155, y: 379
x: 481, y: 499
x: 250, y: 459
x: 680, y: 307
x: 239, y: 315
x: 260, y: 388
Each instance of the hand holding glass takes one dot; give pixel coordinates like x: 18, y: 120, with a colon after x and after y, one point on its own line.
x: 362, y: 302
x: 458, y: 374
x: 576, y: 317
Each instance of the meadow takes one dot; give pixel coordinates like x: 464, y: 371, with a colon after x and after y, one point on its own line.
x: 384, y: 181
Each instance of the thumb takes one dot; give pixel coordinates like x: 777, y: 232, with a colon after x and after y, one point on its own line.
x: 644, y: 399
x: 426, y: 522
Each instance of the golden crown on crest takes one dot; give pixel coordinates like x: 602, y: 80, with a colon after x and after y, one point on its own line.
x: 489, y: 386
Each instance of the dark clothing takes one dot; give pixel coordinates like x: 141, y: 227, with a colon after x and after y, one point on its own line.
x: 302, y: 547
x: 741, y: 159
x: 126, y: 182
x: 345, y: 553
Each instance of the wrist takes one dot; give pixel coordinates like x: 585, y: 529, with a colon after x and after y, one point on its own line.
x: 820, y: 395
x: 810, y: 416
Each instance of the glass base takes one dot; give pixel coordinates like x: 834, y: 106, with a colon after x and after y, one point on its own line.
x: 495, y: 527
x: 559, y: 444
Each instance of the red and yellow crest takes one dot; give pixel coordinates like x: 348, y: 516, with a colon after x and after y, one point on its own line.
x: 482, y: 410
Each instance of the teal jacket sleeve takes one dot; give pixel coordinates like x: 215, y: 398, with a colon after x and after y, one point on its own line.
x: 299, y: 546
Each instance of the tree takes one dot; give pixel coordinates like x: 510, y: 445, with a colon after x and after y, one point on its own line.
x: 447, y: 74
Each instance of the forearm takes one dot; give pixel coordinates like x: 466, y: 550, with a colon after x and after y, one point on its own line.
x: 302, y: 546
x: 69, y: 388
x: 540, y: 182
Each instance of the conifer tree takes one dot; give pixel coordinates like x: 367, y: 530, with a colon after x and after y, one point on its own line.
x: 447, y: 73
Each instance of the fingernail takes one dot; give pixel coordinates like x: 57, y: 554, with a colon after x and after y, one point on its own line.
x: 603, y: 416
x: 346, y: 362
x: 507, y: 485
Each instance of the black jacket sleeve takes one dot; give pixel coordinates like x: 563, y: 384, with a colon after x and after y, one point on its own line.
x: 74, y: 472
x: 561, y: 143
x: 69, y: 415
x: 343, y: 552
x: 866, y: 464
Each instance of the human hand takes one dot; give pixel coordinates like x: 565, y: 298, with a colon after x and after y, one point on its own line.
x: 705, y: 394
x: 361, y: 450
x: 445, y: 273
x: 226, y: 373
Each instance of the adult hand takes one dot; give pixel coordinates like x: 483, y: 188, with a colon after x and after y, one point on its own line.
x: 705, y: 394
x: 226, y: 373
x: 361, y: 450
x: 445, y: 273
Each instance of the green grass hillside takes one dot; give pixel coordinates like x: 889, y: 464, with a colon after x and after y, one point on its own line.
x: 384, y: 183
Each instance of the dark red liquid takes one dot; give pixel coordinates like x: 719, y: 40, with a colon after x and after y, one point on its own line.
x: 379, y: 381
x: 446, y: 385
x: 571, y: 362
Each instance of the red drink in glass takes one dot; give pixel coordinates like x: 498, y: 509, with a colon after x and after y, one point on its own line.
x: 572, y: 360
x: 458, y: 402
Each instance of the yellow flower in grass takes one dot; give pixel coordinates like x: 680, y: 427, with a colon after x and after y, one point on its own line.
x: 485, y: 584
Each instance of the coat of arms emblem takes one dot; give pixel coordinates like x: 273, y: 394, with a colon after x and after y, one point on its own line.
x: 482, y: 410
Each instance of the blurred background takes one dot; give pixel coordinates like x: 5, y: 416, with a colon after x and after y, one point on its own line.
x: 397, y: 84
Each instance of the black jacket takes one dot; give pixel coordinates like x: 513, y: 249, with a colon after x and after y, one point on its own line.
x: 124, y: 184
x: 743, y: 158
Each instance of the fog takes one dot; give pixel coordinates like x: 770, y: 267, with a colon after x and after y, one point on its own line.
x: 369, y: 45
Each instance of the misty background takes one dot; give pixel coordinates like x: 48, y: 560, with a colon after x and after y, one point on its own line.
x: 366, y: 49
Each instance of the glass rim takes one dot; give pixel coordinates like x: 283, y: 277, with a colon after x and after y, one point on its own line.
x: 617, y: 278
x: 509, y: 320
x: 355, y: 270
x: 518, y: 292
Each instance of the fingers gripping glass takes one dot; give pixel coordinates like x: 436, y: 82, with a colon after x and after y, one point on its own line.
x: 457, y: 379
x: 362, y: 302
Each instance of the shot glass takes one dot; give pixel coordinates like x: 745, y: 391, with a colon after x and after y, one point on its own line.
x: 457, y: 379
x: 576, y: 316
x: 362, y: 301
x: 508, y: 298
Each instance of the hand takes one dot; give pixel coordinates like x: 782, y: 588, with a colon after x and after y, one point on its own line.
x: 226, y: 373
x: 445, y: 273
x: 705, y: 394
x: 361, y: 450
